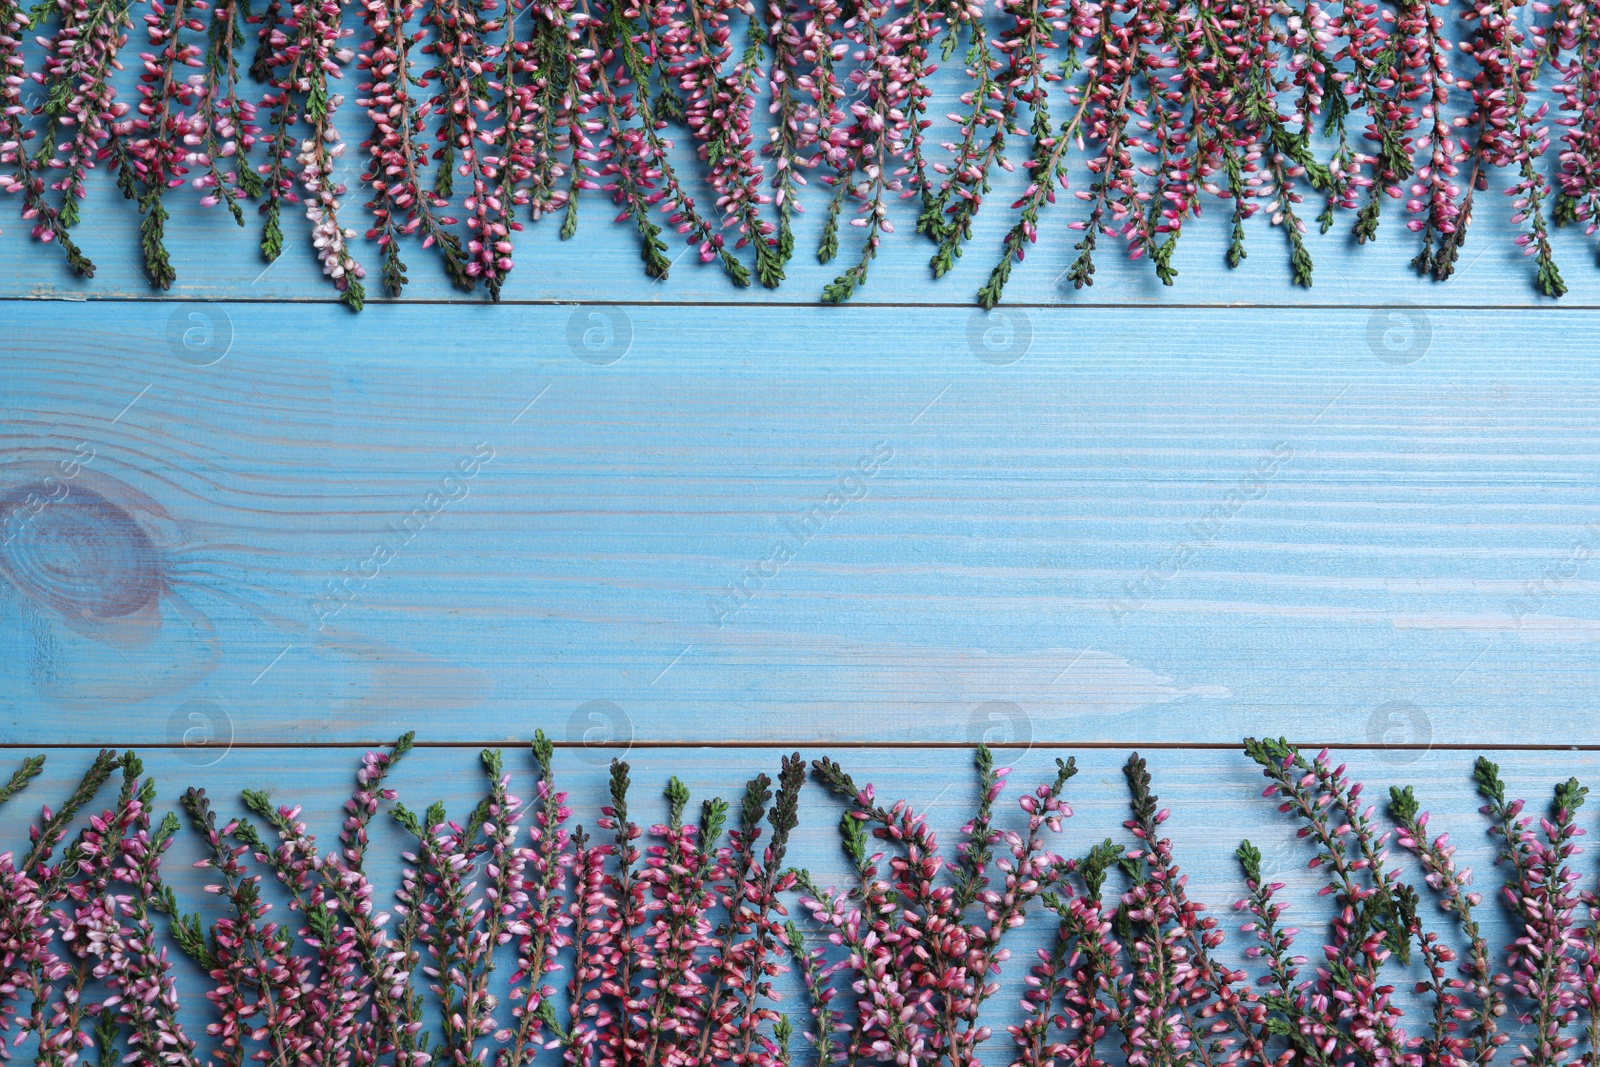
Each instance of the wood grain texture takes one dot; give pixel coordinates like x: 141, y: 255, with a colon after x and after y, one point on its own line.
x: 1214, y: 798
x: 1084, y: 525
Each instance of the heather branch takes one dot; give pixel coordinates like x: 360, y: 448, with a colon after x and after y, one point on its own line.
x: 1451, y: 884
x: 31, y: 768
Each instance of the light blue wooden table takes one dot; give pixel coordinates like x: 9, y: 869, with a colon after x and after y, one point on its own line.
x: 700, y: 526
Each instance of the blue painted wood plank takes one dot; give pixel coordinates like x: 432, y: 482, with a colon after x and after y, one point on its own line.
x: 1214, y: 799
x: 786, y: 525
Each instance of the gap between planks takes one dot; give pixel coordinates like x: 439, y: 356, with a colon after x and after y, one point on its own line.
x: 932, y: 746
x: 960, y: 305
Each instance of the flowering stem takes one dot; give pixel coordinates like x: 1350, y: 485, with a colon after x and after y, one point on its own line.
x: 1046, y: 169
x: 683, y: 873
x: 882, y: 133
x: 53, y: 826
x: 31, y: 768
x: 401, y: 202
x: 1540, y: 897
x: 540, y: 921
x: 991, y: 106
x: 159, y: 156
x: 248, y: 955
x: 226, y: 121
x: 1450, y: 883
x: 1311, y: 1037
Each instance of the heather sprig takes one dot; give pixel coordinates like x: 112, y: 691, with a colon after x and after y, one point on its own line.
x: 1508, y: 134
x: 53, y: 825
x: 880, y: 923
x: 815, y: 970
x: 155, y: 138
x: 256, y: 971
x: 1292, y: 1011
x: 224, y: 121
x: 1541, y: 894
x: 1111, y: 194
x: 15, y: 130
x: 591, y: 902
x: 1160, y: 1030
x: 332, y: 1003
x: 307, y: 54
x: 83, y: 880
x: 31, y: 768
x: 540, y: 921
x: 657, y: 182
x: 504, y: 862
x: 882, y: 133
x: 794, y: 127
x: 494, y: 196
x: 1576, y: 35
x: 609, y: 148
x: 1027, y: 868
x: 358, y: 965
x: 80, y: 101
x: 746, y: 957
x: 75, y: 74
x: 27, y: 960
x: 926, y: 964
x: 1048, y: 980
x: 1215, y: 987
x: 136, y: 968
x: 460, y: 78
x: 682, y: 871
x: 741, y: 867
x: 1047, y: 165
x: 718, y: 104
x: 403, y: 203
x: 1425, y: 76
x: 458, y: 921
x: 1096, y: 990
x: 1368, y: 927
x: 989, y: 118
x: 1443, y: 1043
x: 1451, y: 884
